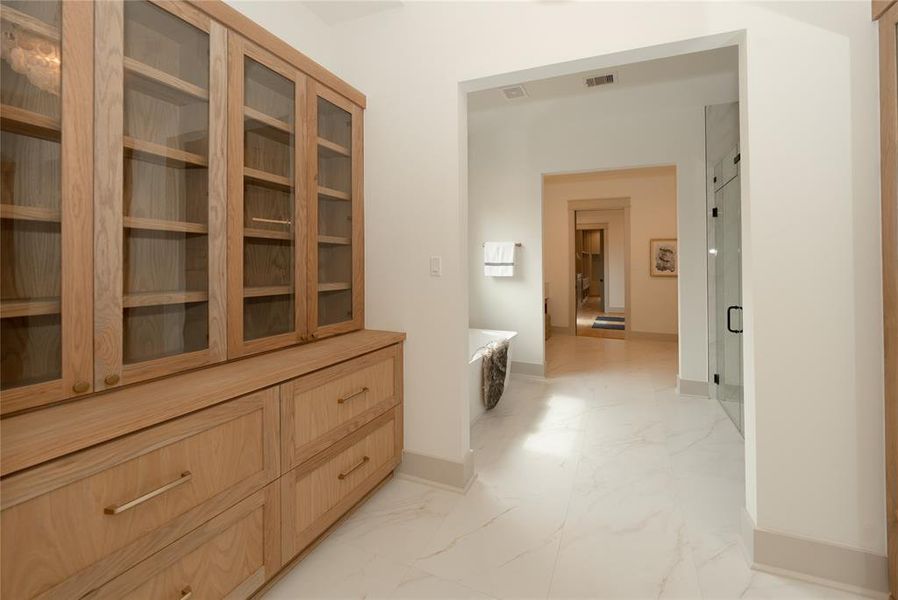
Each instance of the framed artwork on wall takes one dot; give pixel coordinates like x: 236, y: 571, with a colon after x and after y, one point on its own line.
x: 663, y: 258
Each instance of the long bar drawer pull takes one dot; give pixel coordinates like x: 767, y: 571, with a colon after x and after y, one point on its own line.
x: 120, y: 508
x: 359, y: 464
x: 186, y: 593
x: 345, y: 399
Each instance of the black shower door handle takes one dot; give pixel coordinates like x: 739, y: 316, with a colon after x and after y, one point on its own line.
x: 730, y: 310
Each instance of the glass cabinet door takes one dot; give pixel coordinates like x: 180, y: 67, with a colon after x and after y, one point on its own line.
x: 46, y: 110
x: 267, y: 211
x: 160, y: 191
x: 336, y: 217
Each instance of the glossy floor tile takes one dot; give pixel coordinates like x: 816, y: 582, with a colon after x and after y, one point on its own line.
x: 596, y: 482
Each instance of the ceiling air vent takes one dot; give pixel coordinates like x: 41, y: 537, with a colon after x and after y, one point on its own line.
x: 598, y: 80
x: 514, y: 92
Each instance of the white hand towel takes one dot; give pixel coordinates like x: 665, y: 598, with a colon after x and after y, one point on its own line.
x: 498, y: 259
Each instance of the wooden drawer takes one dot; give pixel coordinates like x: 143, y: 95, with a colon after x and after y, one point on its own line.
x: 321, y: 408
x: 230, y: 556
x: 318, y: 493
x: 74, y: 523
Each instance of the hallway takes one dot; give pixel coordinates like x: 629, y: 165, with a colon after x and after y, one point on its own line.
x: 597, y: 482
x: 586, y: 317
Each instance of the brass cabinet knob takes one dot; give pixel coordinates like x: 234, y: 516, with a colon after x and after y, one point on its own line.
x: 111, y: 379
x: 80, y: 387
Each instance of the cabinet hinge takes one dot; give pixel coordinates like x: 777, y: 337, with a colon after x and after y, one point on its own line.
x: 737, y: 159
x: 714, y: 212
x: 716, y: 379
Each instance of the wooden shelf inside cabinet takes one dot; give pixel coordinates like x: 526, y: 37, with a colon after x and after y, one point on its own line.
x: 333, y: 287
x: 29, y: 308
x: 162, y: 298
x: 162, y: 225
x: 331, y: 148
x: 157, y: 153
x: 29, y: 213
x: 267, y: 234
x: 162, y: 85
x: 333, y: 194
x: 272, y: 128
x: 265, y: 179
x: 25, y: 122
x: 267, y: 290
x: 333, y: 240
x: 29, y: 23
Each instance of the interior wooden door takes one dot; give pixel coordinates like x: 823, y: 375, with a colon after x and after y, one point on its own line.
x: 888, y: 82
x: 160, y: 190
x: 336, y: 244
x: 267, y: 207
x: 46, y: 110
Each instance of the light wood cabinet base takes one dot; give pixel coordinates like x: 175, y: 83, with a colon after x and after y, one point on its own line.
x: 210, y: 503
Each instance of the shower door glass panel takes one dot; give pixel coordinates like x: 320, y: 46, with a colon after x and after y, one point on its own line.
x: 728, y: 300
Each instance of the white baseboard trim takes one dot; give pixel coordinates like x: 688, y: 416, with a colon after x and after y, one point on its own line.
x: 615, y: 309
x: 849, y: 569
x: 652, y: 336
x: 526, y: 368
x: 442, y: 473
x: 436, y: 484
x: 688, y: 387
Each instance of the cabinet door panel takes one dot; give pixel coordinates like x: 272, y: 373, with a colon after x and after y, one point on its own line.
x: 267, y: 223
x: 46, y: 109
x: 160, y: 191
x: 336, y: 275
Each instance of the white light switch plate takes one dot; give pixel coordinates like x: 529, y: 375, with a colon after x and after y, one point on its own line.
x: 436, y: 266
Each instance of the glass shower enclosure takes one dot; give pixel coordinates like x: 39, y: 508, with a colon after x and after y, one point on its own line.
x: 725, y: 259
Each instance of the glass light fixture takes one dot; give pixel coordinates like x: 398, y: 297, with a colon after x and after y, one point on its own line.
x: 33, y: 56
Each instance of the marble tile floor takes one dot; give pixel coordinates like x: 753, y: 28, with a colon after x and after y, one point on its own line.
x: 596, y: 482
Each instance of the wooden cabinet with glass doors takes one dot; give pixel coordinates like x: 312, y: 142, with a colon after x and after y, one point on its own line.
x: 173, y: 196
x: 160, y: 200
x: 336, y: 275
x: 46, y: 110
x: 267, y: 222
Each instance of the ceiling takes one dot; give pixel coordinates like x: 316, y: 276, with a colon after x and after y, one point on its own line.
x: 682, y: 67
x: 333, y: 13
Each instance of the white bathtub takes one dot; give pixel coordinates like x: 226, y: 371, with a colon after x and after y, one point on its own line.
x: 477, y: 341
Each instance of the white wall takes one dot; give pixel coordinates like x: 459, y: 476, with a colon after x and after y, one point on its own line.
x: 615, y: 298
x: 296, y: 25
x: 814, y: 448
